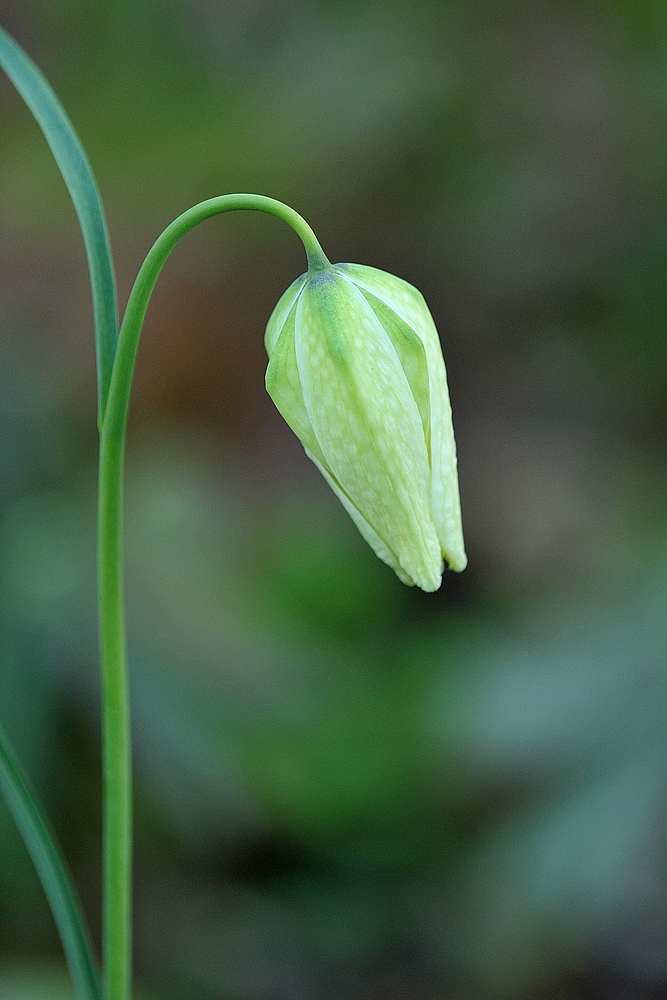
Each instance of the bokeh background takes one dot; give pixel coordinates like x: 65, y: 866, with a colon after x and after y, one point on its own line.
x: 347, y: 789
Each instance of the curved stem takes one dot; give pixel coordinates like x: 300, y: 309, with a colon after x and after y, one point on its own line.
x: 115, y: 701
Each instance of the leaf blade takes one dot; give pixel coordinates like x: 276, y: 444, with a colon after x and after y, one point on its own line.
x: 78, y: 176
x: 52, y: 870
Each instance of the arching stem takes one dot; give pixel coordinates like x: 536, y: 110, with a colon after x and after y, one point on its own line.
x: 117, y: 880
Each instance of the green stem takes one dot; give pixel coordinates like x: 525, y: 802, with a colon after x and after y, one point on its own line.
x: 115, y: 701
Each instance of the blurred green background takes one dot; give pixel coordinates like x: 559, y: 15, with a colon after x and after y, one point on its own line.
x: 347, y: 789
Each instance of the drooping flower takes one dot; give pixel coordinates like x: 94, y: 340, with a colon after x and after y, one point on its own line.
x: 356, y: 370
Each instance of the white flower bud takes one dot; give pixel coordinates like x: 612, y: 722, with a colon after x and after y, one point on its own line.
x: 356, y: 370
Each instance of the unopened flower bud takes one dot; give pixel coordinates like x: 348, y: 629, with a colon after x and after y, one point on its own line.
x: 356, y: 370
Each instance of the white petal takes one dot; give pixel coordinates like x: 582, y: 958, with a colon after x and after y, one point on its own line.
x: 365, y: 530
x: 284, y: 386
x: 281, y: 312
x: 366, y: 421
x: 409, y: 303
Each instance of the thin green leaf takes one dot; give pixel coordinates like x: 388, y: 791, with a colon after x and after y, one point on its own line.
x: 78, y: 176
x: 51, y: 868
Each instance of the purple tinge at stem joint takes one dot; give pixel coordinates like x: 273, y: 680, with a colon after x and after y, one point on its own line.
x: 356, y: 370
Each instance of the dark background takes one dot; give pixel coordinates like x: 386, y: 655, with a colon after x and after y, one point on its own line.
x: 347, y: 789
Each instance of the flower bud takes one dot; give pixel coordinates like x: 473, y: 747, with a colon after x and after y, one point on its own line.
x: 356, y: 370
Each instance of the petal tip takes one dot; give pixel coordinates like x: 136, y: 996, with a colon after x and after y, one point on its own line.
x: 457, y: 561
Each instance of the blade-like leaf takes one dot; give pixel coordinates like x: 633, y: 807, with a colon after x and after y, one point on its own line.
x: 79, y: 179
x: 41, y: 844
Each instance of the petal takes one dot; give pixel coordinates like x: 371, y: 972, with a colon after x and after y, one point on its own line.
x: 366, y: 421
x: 411, y: 354
x: 284, y: 386
x: 409, y: 304
x: 281, y: 312
x: 400, y: 295
x: 371, y: 536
